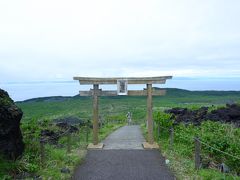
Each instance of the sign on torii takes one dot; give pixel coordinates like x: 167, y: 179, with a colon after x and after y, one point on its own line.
x: 122, y: 89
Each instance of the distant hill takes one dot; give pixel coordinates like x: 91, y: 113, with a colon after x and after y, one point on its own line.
x: 171, y: 93
x: 48, y: 99
x: 183, y: 92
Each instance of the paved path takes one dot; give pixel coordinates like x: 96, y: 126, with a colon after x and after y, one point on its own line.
x: 123, y: 159
x: 127, y: 137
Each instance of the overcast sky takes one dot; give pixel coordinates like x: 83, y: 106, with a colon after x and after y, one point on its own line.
x: 57, y: 39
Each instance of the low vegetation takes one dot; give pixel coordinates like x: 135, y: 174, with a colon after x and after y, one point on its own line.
x: 59, y: 158
x: 216, y: 135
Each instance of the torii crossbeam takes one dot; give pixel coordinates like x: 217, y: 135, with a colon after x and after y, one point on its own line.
x: 122, y: 84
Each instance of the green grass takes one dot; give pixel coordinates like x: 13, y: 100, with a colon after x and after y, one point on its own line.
x: 181, y: 157
x: 55, y: 158
x: 81, y: 107
x: 60, y: 158
x: 221, y: 136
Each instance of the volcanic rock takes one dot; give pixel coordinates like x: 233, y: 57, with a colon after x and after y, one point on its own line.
x: 49, y: 136
x: 187, y: 116
x: 11, y: 144
x: 71, y: 121
x: 67, y: 127
x: 228, y: 114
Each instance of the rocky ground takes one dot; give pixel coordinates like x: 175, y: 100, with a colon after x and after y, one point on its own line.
x: 228, y: 114
x: 65, y: 126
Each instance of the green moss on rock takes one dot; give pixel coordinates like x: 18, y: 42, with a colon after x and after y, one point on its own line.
x: 5, y: 100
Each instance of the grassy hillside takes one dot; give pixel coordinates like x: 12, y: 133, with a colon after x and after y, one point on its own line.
x: 54, y: 107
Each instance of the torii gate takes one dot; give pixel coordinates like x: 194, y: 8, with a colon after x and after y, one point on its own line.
x: 122, y: 84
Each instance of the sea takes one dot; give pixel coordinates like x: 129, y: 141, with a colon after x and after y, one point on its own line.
x: 20, y: 91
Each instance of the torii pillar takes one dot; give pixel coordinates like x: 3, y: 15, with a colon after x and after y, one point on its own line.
x: 122, y: 83
x: 95, y: 113
x: 149, y: 114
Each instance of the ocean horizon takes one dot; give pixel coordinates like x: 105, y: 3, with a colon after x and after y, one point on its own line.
x: 20, y: 91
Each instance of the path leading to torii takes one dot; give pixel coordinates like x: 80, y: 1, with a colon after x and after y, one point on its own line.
x: 127, y: 137
x: 123, y: 158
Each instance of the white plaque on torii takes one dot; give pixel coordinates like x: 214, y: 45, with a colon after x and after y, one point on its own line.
x: 122, y: 88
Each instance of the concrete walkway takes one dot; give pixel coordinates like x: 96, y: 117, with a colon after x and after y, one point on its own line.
x: 127, y: 137
x: 123, y: 158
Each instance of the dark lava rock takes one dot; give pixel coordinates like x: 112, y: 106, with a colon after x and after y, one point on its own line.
x: 52, y: 137
x: 65, y: 171
x: 26, y: 175
x: 187, y: 116
x: 177, y: 111
x: 67, y: 127
x: 11, y: 144
x: 70, y: 120
x: 224, y: 168
x: 228, y: 114
x: 69, y: 123
x: 48, y: 136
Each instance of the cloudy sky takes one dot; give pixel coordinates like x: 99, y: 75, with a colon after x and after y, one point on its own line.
x: 59, y: 39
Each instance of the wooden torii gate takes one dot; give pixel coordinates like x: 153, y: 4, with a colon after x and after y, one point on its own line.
x: 122, y: 84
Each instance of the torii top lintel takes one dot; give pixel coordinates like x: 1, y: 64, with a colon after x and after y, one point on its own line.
x: 130, y: 80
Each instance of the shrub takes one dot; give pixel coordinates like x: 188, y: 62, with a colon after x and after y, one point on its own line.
x: 224, y: 137
x: 163, y: 119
